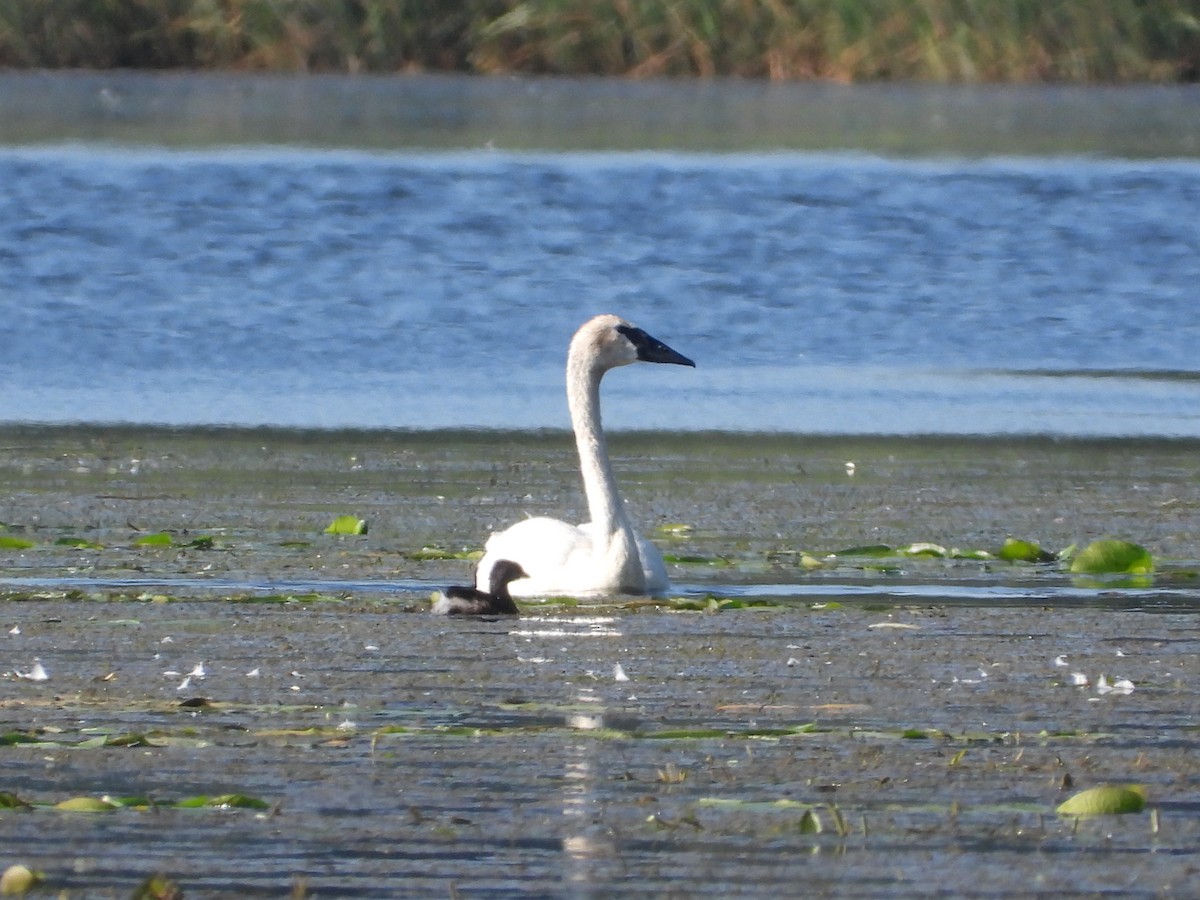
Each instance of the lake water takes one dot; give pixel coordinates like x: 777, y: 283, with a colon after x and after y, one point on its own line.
x: 824, y: 292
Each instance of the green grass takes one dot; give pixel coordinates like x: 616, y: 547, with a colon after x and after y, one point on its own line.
x: 837, y: 40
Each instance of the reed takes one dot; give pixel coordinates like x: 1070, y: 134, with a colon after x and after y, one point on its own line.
x: 839, y: 40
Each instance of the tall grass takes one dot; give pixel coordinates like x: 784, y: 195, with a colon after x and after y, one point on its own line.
x: 841, y: 40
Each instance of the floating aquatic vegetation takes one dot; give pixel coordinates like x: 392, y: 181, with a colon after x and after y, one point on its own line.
x: 1105, y: 800
x: 8, y: 542
x: 158, y: 887
x: 1016, y: 550
x: 1113, y: 557
x: 158, y: 539
x: 347, y: 525
x: 86, y: 805
x: 17, y: 879
x: 107, y: 804
x: 78, y: 543
x: 674, y: 529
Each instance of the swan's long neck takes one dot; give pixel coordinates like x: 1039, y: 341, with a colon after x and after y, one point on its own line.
x: 609, y: 520
x: 599, y: 483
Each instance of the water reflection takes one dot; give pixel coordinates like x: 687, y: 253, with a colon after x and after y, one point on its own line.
x: 590, y: 854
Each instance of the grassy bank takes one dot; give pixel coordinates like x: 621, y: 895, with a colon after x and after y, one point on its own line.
x: 840, y: 40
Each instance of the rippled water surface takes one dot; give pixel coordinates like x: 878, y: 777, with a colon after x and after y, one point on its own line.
x: 824, y: 293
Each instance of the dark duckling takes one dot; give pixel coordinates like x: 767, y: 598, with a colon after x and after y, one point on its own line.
x: 468, y: 601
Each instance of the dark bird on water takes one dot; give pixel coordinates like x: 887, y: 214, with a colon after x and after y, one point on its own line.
x: 469, y: 601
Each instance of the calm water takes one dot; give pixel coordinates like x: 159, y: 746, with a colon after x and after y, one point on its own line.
x: 835, y: 293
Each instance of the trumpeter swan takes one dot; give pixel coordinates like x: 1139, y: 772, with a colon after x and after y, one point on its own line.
x: 495, y: 601
x: 604, y: 556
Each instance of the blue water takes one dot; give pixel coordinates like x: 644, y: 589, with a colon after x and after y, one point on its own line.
x: 817, y: 293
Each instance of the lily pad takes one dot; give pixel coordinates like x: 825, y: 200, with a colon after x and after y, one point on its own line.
x: 674, y: 528
x: 1106, y: 800
x: 347, y: 525
x: 85, y: 804
x: 18, y: 879
x: 159, y: 539
x: 875, y: 550
x: 1015, y: 550
x: 78, y: 543
x: 924, y: 548
x: 8, y: 542
x: 1113, y: 557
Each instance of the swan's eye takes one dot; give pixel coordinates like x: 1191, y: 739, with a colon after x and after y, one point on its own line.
x: 635, y: 335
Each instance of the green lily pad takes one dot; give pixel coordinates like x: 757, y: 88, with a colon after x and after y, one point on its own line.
x: 159, y: 539
x: 223, y: 801
x: 924, y: 548
x: 8, y: 542
x: 674, y: 528
x: 1113, y: 557
x: 85, y: 804
x: 18, y: 879
x: 875, y: 550
x: 78, y: 543
x: 347, y: 525
x: 1107, y: 800
x: 12, y: 801
x: 1015, y: 550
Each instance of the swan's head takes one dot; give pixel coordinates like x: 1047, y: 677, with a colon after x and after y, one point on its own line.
x: 608, y: 341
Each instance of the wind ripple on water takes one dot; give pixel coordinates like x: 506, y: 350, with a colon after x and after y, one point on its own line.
x: 335, y: 289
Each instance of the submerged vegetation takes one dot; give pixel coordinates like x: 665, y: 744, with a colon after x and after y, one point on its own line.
x: 925, y: 40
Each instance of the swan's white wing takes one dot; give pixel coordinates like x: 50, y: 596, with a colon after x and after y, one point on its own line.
x: 554, y: 554
x: 560, y: 559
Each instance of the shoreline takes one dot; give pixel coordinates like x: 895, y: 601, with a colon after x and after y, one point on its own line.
x: 441, y: 112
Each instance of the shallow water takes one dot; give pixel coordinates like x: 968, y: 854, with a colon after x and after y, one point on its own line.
x: 918, y: 709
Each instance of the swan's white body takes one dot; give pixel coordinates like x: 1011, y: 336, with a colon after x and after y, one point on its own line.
x: 604, y: 556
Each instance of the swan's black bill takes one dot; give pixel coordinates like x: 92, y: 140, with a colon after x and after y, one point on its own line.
x: 651, y: 349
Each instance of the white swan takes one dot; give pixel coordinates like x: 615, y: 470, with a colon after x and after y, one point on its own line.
x: 604, y: 556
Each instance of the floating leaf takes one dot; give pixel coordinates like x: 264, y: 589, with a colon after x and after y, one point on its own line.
x: 78, y: 543
x: 1106, y: 800
x: 347, y: 525
x: 85, y: 804
x: 17, y: 737
x: 1015, y: 550
x: 955, y: 553
x: 924, y: 548
x: 810, y: 823
x: 12, y: 801
x: 18, y: 879
x: 867, y: 550
x: 674, y: 528
x: 224, y: 801
x: 159, y: 539
x: 158, y: 887
x: 8, y: 542
x: 239, y: 801
x: 204, y: 542
x: 1113, y: 557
